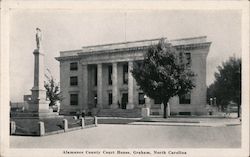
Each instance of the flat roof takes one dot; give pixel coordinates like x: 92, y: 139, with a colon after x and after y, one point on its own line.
x: 130, y: 44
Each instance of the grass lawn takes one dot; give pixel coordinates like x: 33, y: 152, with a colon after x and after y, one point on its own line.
x: 30, y: 126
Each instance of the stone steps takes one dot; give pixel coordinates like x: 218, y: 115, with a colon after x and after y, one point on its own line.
x: 131, y: 113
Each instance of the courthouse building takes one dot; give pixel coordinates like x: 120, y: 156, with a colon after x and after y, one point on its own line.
x: 99, y: 77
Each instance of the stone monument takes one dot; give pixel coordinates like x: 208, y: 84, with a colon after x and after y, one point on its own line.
x: 38, y: 104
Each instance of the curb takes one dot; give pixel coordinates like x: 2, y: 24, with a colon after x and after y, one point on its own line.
x: 119, y: 118
x: 69, y: 130
x: 184, y: 124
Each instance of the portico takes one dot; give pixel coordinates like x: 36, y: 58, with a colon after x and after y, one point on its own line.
x: 102, y: 86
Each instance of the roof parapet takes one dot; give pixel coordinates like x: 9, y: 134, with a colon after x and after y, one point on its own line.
x: 70, y: 53
x: 132, y: 44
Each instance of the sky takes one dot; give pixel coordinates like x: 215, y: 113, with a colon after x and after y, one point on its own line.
x: 70, y: 29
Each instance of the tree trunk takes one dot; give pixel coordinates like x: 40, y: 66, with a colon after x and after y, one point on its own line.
x: 166, y: 111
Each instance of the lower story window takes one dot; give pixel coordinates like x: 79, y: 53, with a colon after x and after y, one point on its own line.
x: 73, y: 99
x: 141, y: 98
x: 185, y: 98
x: 110, y: 98
x: 73, y: 81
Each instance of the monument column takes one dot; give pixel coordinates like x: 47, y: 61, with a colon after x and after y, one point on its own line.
x: 130, y: 104
x: 38, y: 97
x: 85, y: 86
x: 114, y: 86
x: 38, y: 102
x: 99, y: 85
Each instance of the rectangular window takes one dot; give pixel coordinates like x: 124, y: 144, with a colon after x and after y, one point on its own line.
x: 185, y: 99
x: 73, y: 66
x: 110, y: 74
x: 185, y: 57
x: 141, y: 98
x: 181, y: 56
x: 73, y: 81
x: 125, y: 74
x: 188, y: 57
x: 110, y: 98
x: 73, y: 99
x: 95, y: 75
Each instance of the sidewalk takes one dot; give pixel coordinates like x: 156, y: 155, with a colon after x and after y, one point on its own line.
x: 188, y: 121
x: 172, y: 121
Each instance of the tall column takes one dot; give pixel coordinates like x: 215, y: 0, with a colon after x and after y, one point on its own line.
x: 130, y: 86
x: 114, y: 86
x: 99, y: 85
x: 85, y: 86
x: 38, y: 101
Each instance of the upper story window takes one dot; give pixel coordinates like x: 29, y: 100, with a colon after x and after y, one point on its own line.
x: 125, y: 74
x: 186, y: 57
x: 141, y: 98
x: 73, y: 81
x: 110, y: 74
x: 185, y: 99
x: 73, y: 99
x: 73, y: 66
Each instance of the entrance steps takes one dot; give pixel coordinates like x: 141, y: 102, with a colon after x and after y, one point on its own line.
x: 125, y: 113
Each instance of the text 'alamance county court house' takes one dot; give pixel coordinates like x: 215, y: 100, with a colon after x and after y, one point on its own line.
x: 99, y: 77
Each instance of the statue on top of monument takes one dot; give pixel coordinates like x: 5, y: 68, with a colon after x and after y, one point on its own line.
x: 38, y: 38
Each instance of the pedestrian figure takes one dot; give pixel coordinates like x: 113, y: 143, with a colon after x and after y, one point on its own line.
x: 83, y: 114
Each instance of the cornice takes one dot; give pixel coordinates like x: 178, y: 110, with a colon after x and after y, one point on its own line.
x: 65, y: 58
x: 131, y: 49
x: 193, y: 46
x: 178, y: 47
x: 138, y: 48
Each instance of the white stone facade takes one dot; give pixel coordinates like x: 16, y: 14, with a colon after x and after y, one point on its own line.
x: 95, y: 67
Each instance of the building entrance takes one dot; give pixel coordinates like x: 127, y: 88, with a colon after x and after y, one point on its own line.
x: 124, y: 100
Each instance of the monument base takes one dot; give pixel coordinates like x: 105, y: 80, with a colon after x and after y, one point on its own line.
x: 37, y: 110
x: 39, y: 107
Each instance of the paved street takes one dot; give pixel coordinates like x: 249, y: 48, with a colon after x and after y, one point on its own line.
x: 137, y: 136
